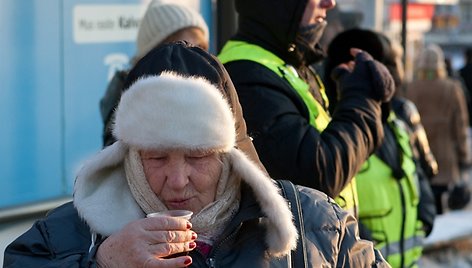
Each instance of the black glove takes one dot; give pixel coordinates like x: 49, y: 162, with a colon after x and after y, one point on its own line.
x: 369, y: 77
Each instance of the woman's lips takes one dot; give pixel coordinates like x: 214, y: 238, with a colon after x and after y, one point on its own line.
x: 178, y: 203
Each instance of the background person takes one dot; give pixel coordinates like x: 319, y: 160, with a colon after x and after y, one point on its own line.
x: 388, y: 184
x: 284, y: 102
x: 163, y: 22
x: 176, y: 137
x: 441, y: 103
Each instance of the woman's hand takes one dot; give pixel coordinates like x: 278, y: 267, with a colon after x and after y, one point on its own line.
x: 147, y: 243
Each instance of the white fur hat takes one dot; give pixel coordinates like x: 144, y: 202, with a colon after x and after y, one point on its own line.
x: 163, y: 18
x: 168, y: 100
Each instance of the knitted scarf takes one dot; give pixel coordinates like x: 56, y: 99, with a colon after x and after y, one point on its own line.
x: 209, y: 222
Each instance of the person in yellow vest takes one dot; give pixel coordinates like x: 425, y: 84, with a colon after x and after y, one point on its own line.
x: 388, y: 182
x: 284, y: 103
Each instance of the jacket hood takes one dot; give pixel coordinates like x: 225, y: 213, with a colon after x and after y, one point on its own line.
x: 101, y: 193
x: 272, y: 24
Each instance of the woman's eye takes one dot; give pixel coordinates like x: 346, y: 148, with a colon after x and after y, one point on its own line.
x: 198, y: 156
x: 154, y: 158
x: 195, y: 157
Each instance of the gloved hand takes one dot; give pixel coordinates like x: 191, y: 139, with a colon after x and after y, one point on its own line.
x: 365, y: 75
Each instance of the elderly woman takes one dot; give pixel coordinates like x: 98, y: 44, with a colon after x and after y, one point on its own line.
x: 179, y: 136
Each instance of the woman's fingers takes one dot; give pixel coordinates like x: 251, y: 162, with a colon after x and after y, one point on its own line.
x: 156, y: 237
x: 166, y: 223
x: 167, y: 249
x: 153, y: 241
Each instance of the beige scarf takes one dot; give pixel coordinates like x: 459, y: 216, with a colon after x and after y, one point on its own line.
x: 209, y: 223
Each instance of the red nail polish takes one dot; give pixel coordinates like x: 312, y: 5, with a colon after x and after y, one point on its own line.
x: 194, y: 235
x: 188, y: 261
x: 192, y: 245
x: 189, y: 225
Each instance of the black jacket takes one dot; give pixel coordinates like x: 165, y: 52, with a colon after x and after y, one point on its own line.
x: 466, y: 75
x: 276, y: 116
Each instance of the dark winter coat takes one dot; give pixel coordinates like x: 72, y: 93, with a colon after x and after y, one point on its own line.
x: 62, y: 239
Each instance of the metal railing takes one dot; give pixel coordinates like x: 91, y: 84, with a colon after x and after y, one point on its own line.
x: 37, y: 209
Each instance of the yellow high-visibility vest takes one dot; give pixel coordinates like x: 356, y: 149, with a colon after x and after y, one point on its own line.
x: 388, y: 206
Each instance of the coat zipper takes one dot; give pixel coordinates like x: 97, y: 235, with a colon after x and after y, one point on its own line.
x: 211, y: 261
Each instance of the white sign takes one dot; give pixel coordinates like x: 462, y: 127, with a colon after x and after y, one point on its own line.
x: 195, y: 4
x: 106, y: 23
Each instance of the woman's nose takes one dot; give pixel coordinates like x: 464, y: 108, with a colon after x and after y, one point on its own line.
x: 177, y: 176
x: 327, y: 4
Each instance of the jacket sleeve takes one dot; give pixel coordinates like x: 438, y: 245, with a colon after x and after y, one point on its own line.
x: 332, y: 233
x: 289, y: 147
x: 355, y: 252
x: 59, y: 240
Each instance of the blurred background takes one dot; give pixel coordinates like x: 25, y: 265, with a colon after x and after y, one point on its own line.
x: 57, y: 57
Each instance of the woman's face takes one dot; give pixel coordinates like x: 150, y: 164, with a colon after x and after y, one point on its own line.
x: 182, y: 179
x: 315, y: 11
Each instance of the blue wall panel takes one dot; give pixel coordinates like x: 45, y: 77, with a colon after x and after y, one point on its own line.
x: 51, y: 82
x: 30, y: 74
x: 85, y: 81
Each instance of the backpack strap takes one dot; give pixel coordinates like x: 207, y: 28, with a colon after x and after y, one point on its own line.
x: 291, y: 194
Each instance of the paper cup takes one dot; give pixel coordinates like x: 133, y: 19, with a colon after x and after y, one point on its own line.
x: 184, y: 214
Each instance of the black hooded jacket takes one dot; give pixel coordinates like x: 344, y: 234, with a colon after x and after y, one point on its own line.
x: 278, y: 119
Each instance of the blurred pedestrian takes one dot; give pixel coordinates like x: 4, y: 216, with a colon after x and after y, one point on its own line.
x: 441, y: 103
x: 284, y: 102
x: 163, y: 22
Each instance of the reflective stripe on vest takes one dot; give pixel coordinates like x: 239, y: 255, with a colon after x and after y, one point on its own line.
x: 386, y: 204
x: 393, y: 251
x: 318, y: 117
